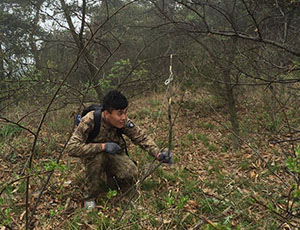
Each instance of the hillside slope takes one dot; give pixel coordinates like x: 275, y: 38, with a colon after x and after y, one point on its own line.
x: 209, y: 186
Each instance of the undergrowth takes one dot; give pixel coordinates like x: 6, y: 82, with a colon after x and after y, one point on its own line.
x: 210, y: 186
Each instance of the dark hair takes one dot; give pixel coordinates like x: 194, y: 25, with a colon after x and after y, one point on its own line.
x: 114, y: 100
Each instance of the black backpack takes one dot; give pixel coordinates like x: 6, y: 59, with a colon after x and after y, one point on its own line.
x: 97, y: 119
x: 97, y: 123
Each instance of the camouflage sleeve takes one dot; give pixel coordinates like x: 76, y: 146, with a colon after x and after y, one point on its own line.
x: 139, y: 137
x: 77, y: 146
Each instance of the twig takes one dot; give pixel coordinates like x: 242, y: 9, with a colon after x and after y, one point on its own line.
x: 287, y: 140
x: 47, y: 181
x: 17, y: 124
x: 41, y: 124
x: 209, y: 222
x: 81, y: 53
x: 198, y: 225
x: 138, y: 183
x: 21, y: 178
x: 265, y: 206
x: 170, y: 126
x: 150, y: 171
x: 205, y: 219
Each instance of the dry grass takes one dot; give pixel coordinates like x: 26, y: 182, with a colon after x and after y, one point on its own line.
x: 210, y: 186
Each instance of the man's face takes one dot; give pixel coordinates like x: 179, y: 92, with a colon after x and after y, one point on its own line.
x: 116, y: 118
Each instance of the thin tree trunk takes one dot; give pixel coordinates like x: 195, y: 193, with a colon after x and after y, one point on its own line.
x: 79, y: 43
x: 32, y: 42
x: 231, y: 7
x: 1, y: 63
x: 230, y: 95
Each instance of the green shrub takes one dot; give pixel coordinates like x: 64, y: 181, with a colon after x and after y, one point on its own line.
x: 9, y: 130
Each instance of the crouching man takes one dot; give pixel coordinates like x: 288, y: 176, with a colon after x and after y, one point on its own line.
x: 105, y: 157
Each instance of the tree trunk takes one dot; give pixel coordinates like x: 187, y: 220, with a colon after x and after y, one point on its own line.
x: 80, y: 45
x: 1, y: 63
x: 231, y: 8
x: 32, y: 42
x: 230, y: 95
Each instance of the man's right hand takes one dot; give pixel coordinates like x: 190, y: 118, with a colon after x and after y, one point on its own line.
x: 112, y: 148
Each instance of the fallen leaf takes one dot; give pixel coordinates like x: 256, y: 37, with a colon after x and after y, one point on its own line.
x: 252, y: 174
x: 22, y: 215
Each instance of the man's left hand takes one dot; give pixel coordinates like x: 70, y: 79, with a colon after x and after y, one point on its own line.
x: 165, y: 157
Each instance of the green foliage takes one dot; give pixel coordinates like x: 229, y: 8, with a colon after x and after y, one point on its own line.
x: 192, y: 16
x: 203, y: 138
x: 293, y: 163
x: 87, y: 87
x: 169, y: 200
x: 170, y: 177
x: 206, y: 125
x: 190, y: 187
x: 182, y: 201
x: 245, y: 164
x: 120, y: 70
x: 10, y: 130
x: 149, y: 185
x: 111, y: 194
x: 53, y: 165
x: 75, y: 223
x: 218, y: 226
x: 218, y: 186
x: 6, y: 216
x: 147, y: 112
x: 59, y: 125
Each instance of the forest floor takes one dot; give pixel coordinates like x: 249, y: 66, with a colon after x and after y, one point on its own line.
x: 209, y: 186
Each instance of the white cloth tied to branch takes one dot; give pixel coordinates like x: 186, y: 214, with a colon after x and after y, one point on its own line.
x: 167, y: 82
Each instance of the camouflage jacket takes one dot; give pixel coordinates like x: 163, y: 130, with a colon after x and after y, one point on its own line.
x: 78, y: 146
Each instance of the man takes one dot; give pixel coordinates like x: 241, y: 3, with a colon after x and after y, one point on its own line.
x: 105, y: 158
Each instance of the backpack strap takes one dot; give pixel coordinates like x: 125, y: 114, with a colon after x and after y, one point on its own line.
x: 97, y: 124
x: 120, y: 132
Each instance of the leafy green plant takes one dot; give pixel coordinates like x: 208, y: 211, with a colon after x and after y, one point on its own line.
x: 169, y: 200
x: 190, y: 136
x: 214, y: 226
x: 6, y: 215
x: 293, y: 163
x: 120, y: 70
x: 10, y: 130
x: 52, y: 165
x: 203, y: 138
x: 182, y: 201
x: 111, y: 194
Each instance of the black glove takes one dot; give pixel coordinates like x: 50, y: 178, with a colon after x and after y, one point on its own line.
x: 112, y: 148
x: 164, y: 157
